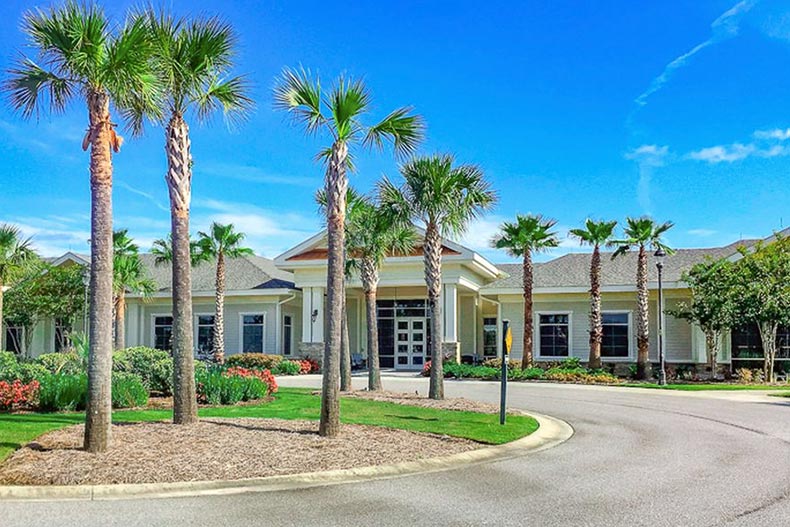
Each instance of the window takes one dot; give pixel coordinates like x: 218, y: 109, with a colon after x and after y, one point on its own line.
x: 204, y: 344
x: 489, y: 337
x: 62, y: 331
x: 553, y: 335
x: 287, y: 332
x: 252, y: 333
x: 163, y: 333
x: 616, y: 335
x: 14, y: 339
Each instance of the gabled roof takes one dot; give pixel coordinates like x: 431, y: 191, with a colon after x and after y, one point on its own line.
x: 247, y: 273
x: 573, y: 270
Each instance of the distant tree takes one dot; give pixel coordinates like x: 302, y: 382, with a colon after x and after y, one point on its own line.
x: 129, y: 276
x: 712, y: 306
x: 761, y: 293
x: 529, y: 234
x: 595, y: 234
x: 643, y: 233
x: 15, y: 251
x: 339, y: 113
x: 22, y: 302
x: 162, y: 249
x: 221, y: 242
x: 446, y: 198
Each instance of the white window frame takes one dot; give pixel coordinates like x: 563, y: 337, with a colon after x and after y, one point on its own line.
x: 196, y: 326
x: 153, y: 327
x: 241, y: 329
x: 290, y: 349
x: 536, y: 336
x: 631, y: 356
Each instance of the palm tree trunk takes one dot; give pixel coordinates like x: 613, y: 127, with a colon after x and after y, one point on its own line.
x: 712, y: 347
x: 98, y: 413
x: 643, y: 370
x: 345, y: 351
x: 370, y: 281
x: 596, y: 320
x: 219, y: 313
x: 336, y: 187
x: 120, y: 322
x: 529, y: 327
x: 179, y: 182
x: 432, y: 248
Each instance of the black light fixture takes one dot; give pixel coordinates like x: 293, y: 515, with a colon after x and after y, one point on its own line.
x: 314, y: 315
x: 660, y: 255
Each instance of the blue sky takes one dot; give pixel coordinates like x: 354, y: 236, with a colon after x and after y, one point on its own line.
x: 671, y: 108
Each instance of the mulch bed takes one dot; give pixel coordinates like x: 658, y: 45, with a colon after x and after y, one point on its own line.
x: 415, y: 399
x: 216, y: 449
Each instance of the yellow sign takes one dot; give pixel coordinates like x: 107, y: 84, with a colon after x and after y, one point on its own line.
x: 508, y: 341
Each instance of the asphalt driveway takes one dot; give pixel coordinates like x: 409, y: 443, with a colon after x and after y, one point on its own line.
x: 638, y: 457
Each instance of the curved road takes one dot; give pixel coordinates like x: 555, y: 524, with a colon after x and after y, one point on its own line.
x: 638, y: 457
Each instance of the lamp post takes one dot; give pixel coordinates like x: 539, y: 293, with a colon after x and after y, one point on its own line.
x: 662, y: 370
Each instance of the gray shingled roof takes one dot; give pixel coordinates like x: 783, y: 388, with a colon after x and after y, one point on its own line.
x: 573, y: 270
x: 251, y: 272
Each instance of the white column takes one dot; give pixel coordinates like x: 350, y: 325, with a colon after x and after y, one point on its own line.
x: 131, y: 324
x: 318, y: 305
x: 278, y: 348
x: 307, y: 313
x: 499, y: 329
x: 450, y: 313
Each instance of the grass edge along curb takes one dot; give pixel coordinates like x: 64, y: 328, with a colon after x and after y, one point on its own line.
x: 551, y: 432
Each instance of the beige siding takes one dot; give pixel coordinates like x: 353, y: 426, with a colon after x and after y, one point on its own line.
x: 467, y: 325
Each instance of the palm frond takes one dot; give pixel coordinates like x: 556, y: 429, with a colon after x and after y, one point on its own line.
x: 299, y: 94
x: 404, y: 130
x: 347, y: 101
x: 28, y: 84
x: 230, y: 95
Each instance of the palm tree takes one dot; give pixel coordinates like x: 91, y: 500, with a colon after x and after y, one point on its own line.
x: 643, y: 233
x: 529, y: 234
x: 339, y: 113
x: 221, y: 242
x: 372, y: 235
x: 445, y: 198
x: 81, y: 55
x: 128, y: 276
x: 595, y: 234
x: 15, y: 251
x: 162, y: 249
x: 192, y: 58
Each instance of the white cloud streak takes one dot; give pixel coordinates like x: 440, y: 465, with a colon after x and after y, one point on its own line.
x: 725, y: 27
x: 647, y: 158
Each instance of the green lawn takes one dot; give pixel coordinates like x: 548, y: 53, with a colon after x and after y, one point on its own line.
x: 297, y: 403
x: 705, y: 387
x: 782, y: 394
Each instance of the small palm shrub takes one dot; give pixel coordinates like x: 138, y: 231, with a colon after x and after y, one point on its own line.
x: 60, y: 392
x: 128, y: 390
x: 155, y: 367
x: 254, y: 361
x: 65, y: 363
x: 234, y: 385
x: 289, y: 367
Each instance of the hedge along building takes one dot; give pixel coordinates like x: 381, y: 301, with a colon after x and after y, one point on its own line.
x: 278, y: 307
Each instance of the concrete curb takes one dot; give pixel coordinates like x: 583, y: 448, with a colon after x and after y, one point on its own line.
x: 552, y: 432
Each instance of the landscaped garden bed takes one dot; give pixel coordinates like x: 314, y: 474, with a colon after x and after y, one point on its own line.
x: 251, y: 440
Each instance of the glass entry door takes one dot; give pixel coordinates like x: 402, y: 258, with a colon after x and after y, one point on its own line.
x: 410, y: 342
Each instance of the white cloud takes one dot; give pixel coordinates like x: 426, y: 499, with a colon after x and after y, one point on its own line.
x: 723, y: 28
x: 647, y: 157
x: 144, y: 194
x: 256, y: 175
x: 736, y: 152
x: 776, y: 134
x: 703, y: 233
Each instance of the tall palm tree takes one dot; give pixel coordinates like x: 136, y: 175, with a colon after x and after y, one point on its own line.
x: 445, y: 197
x: 81, y: 55
x: 193, y: 58
x: 595, y: 234
x: 221, y: 242
x: 645, y: 234
x: 162, y: 249
x: 527, y: 235
x: 14, y: 252
x: 128, y: 277
x: 372, y: 235
x: 339, y: 114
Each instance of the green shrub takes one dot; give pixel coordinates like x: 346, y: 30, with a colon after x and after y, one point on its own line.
x: 512, y: 364
x: 8, y: 366
x: 65, y: 363
x: 529, y: 373
x: 128, y: 390
x: 30, y: 371
x: 288, y: 367
x: 216, y: 388
x: 153, y: 366
x: 258, y: 361
x: 59, y: 392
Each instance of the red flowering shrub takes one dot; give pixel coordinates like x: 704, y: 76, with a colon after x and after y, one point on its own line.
x: 16, y: 394
x: 264, y: 375
x: 308, y: 365
x: 426, y: 369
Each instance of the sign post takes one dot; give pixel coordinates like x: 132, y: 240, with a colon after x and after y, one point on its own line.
x: 507, y: 342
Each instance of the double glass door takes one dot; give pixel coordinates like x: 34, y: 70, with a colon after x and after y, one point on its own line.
x: 410, y: 342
